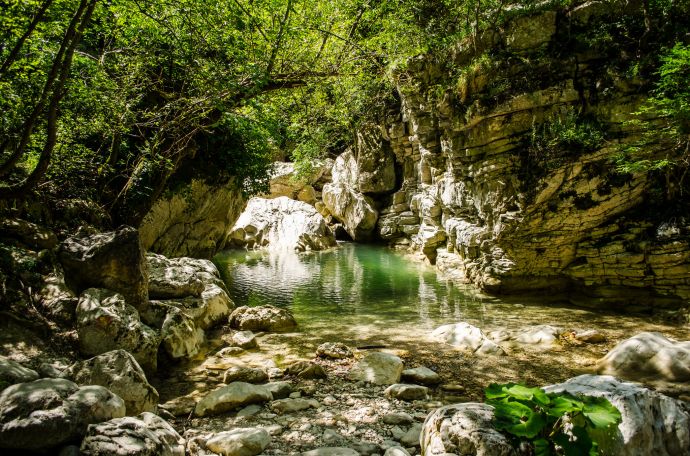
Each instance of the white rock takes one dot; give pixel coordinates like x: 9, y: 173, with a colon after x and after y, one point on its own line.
x: 463, y: 429
x: 105, y: 322
x: 406, y: 392
x: 232, y: 396
x: 144, y: 435
x: 354, y: 210
x: 648, y: 356
x: 651, y: 422
x: 239, y: 442
x: 331, y: 451
x: 46, y: 413
x: 118, y: 371
x: 378, y: 368
x: 12, y: 372
x: 281, y: 224
x: 262, y: 318
x: 466, y: 337
x: 542, y: 335
x: 421, y: 375
x: 244, y: 339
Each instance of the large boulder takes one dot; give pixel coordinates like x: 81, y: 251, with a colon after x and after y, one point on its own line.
x: 466, y: 337
x: 113, y: 260
x: 651, y: 422
x: 354, y: 210
x: 230, y: 397
x: 199, y: 291
x: 375, y: 161
x: 33, y: 236
x: 463, y: 429
x: 262, y: 318
x: 181, y: 336
x: 281, y: 224
x: 378, y: 368
x: 193, y: 220
x: 118, y: 371
x: 106, y: 322
x: 648, y: 356
x: 144, y: 435
x: 11, y: 372
x: 57, y: 300
x: 47, y: 413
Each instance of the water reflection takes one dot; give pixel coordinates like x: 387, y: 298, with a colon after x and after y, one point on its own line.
x: 366, y: 284
x: 357, y: 292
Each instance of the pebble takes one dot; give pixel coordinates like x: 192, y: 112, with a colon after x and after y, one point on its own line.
x: 398, y: 418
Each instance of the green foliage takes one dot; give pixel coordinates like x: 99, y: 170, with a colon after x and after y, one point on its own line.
x: 664, y: 124
x: 554, y: 423
x: 564, y: 137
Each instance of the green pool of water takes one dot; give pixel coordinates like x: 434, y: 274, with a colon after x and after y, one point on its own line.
x: 369, y: 293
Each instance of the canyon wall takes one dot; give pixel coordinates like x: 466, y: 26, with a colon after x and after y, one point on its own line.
x: 453, y: 172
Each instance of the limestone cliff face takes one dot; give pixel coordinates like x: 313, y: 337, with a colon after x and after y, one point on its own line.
x: 194, y: 220
x: 472, y: 197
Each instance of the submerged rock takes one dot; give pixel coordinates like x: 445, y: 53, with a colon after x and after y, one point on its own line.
x: 378, y: 368
x: 466, y: 337
x: 281, y: 224
x: 262, y: 318
x: 144, y: 435
x: 118, y: 371
x: 542, y: 335
x: 47, y: 413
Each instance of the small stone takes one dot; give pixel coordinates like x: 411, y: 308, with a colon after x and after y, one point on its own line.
x: 239, y: 442
x: 453, y: 387
x: 275, y: 372
x: 245, y: 374
x: 411, y: 437
x: 378, y: 368
x: 398, y: 418
x: 406, y: 392
x: 250, y: 410
x: 279, y: 390
x: 230, y: 352
x: 307, y: 370
x: 330, y: 437
x: 293, y: 405
x: 245, y: 339
x: 329, y: 400
x: 331, y: 451
x: 397, y: 433
x: 262, y: 318
x: 274, y: 429
x: 396, y: 451
x: 366, y: 448
x: 232, y: 396
x: 334, y: 350
x: 590, y: 337
x: 421, y: 375
x: 295, y: 395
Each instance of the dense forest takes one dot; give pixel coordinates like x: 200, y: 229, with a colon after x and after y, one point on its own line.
x: 104, y: 100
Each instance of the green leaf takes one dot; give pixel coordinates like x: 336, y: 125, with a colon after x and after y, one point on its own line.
x: 601, y: 413
x: 518, y: 419
x: 564, y: 404
x: 542, y: 447
x: 496, y: 391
